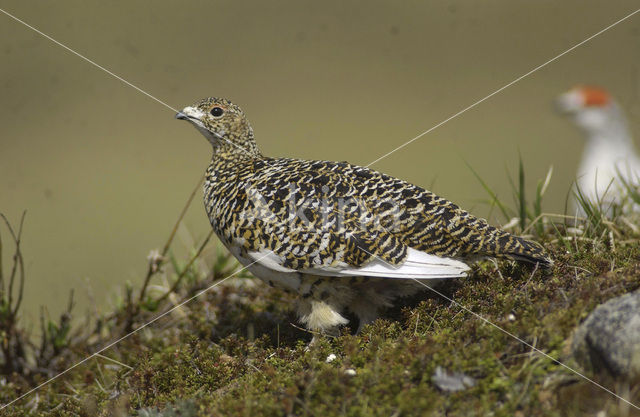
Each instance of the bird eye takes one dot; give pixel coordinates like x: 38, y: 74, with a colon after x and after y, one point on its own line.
x: 217, y: 111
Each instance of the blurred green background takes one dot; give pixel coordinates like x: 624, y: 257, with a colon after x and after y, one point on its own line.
x: 104, y: 170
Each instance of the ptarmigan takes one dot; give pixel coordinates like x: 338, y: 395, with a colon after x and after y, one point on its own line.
x: 340, y: 235
x: 609, y: 152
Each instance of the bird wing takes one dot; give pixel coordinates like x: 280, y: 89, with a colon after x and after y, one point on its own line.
x: 320, y: 215
x: 316, y: 219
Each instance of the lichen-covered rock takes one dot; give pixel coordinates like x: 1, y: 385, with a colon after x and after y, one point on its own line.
x: 609, y: 339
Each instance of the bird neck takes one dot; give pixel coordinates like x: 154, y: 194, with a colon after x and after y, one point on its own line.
x: 236, y: 149
x: 614, y: 138
x: 611, y: 134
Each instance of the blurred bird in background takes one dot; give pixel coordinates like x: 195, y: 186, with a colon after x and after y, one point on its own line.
x: 610, y: 165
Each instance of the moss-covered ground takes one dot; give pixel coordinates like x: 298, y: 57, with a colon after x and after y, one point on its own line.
x: 236, y: 350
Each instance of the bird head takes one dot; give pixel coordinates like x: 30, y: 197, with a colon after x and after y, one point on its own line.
x: 591, y: 108
x: 222, y: 123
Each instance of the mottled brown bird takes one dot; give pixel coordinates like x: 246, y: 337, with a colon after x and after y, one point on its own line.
x: 340, y: 235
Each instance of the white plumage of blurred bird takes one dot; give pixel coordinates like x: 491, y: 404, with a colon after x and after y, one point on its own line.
x: 609, y: 153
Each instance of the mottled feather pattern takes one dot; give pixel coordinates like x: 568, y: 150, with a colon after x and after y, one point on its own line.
x: 335, y: 233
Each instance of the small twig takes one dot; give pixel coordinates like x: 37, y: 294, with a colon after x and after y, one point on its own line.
x: 44, y: 340
x: 15, y: 263
x: 566, y: 299
x: 551, y: 215
x: 113, y: 360
x: 624, y: 220
x: 612, y: 240
x: 580, y: 268
x: 21, y: 260
x: 18, y: 263
x: 457, y: 314
x: 530, y: 276
x: 313, y: 332
x: 71, y: 387
x: 495, y: 264
x: 99, y: 384
x: 21, y: 288
x: 576, y: 239
x: 255, y: 367
x: 433, y: 320
x: 175, y: 285
x: 165, y: 249
x: 71, y: 304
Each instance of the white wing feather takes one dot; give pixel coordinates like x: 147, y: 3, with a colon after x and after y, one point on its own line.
x: 270, y: 260
x: 418, y: 265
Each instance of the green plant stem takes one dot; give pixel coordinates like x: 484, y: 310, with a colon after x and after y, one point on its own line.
x: 522, y: 202
x: 18, y: 263
x: 175, y: 285
x: 151, y: 271
x: 494, y: 197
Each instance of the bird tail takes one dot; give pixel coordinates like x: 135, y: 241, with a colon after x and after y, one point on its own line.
x: 527, y: 251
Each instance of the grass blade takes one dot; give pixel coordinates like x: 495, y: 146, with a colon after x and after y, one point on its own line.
x: 494, y: 197
x: 522, y: 202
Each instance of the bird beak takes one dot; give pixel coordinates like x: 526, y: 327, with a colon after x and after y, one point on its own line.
x: 191, y: 114
x: 569, y: 102
x: 194, y: 116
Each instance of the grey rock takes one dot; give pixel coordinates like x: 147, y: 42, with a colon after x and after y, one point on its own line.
x: 451, y: 381
x: 608, y: 341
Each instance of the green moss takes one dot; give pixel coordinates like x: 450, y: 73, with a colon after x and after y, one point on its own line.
x: 234, y: 352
